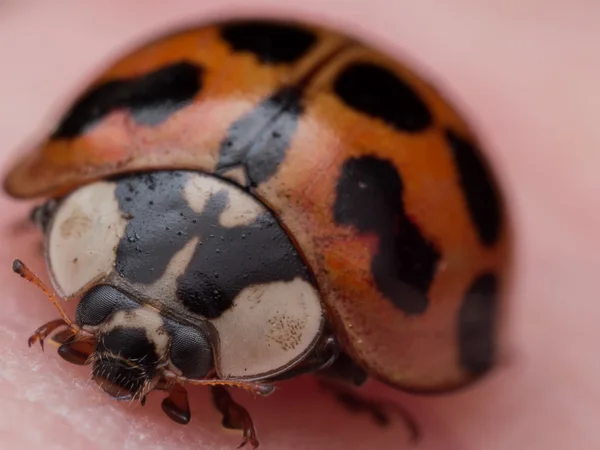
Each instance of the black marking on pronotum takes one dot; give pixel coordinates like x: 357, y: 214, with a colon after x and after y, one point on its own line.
x: 375, y: 91
x: 258, y: 141
x: 476, y: 325
x: 478, y: 185
x: 228, y: 259
x: 369, y: 197
x: 151, y: 98
x: 270, y: 42
x: 156, y: 231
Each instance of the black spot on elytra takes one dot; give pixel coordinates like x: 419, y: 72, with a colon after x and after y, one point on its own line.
x: 259, y: 140
x: 227, y: 260
x: 375, y: 91
x: 477, y: 318
x: 99, y: 303
x: 150, y: 98
x: 369, y: 197
x: 271, y: 43
x: 478, y: 185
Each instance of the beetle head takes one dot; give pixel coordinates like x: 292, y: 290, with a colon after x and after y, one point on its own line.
x: 125, y: 363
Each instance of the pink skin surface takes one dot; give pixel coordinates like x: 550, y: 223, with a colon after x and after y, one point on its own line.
x: 525, y: 73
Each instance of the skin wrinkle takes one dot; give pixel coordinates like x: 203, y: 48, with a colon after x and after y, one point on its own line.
x: 543, y: 396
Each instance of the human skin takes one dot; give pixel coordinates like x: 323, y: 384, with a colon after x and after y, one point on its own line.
x: 525, y: 74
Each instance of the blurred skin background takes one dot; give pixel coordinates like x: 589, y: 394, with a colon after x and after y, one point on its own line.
x: 525, y: 74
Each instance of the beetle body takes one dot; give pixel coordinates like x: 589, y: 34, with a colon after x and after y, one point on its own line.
x: 270, y: 186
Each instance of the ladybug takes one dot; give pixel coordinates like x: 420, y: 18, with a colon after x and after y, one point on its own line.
x: 244, y: 202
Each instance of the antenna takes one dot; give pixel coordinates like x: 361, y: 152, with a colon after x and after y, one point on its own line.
x: 21, y: 269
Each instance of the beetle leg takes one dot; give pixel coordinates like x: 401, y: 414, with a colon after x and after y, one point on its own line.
x: 40, y: 215
x: 252, y: 387
x: 77, y: 350
x: 63, y: 336
x: 45, y: 330
x: 176, y: 405
x: 72, y: 348
x: 345, y: 370
x: 235, y: 416
x: 378, y: 409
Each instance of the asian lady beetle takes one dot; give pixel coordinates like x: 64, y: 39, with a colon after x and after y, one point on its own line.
x: 242, y: 203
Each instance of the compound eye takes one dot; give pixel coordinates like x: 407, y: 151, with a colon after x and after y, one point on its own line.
x: 99, y: 303
x: 191, y: 352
